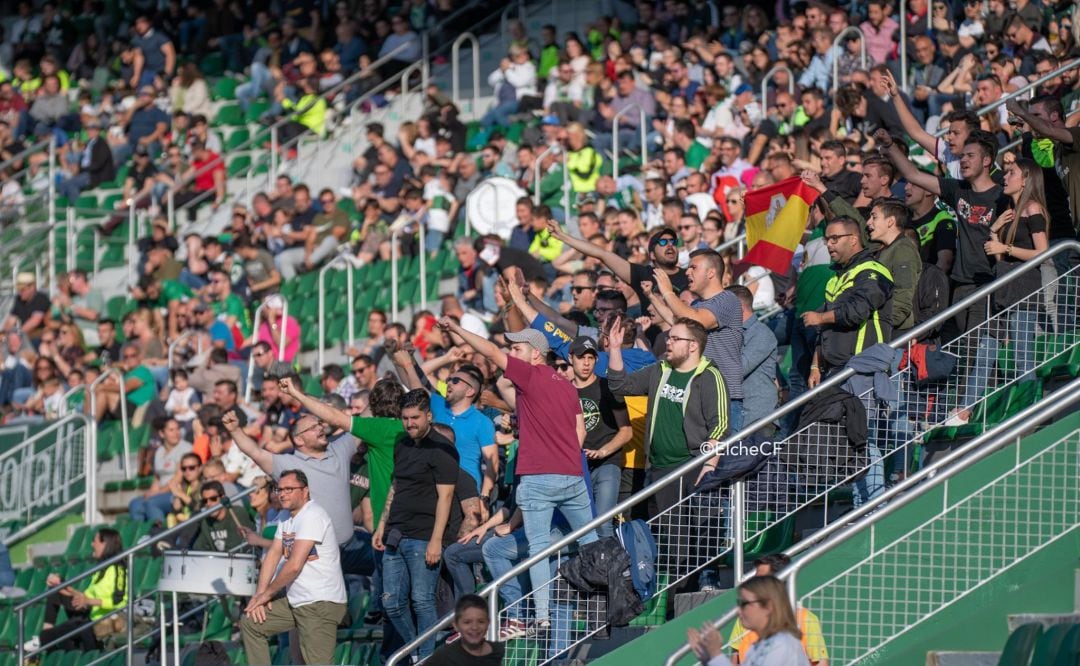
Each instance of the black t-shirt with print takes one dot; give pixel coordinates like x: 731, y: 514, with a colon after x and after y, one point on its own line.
x: 944, y: 237
x: 598, y: 406
x: 644, y: 273
x: 975, y: 212
x: 418, y: 468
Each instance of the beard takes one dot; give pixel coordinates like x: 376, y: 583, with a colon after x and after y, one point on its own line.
x: 674, y: 358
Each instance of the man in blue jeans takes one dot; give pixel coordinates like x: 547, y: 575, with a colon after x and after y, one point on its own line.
x: 415, y: 525
x: 551, y: 432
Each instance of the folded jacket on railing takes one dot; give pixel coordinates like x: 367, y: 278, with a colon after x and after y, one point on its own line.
x: 605, y: 564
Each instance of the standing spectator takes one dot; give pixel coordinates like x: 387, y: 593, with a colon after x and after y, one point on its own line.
x: 900, y: 255
x: 207, y: 174
x: 157, y: 51
x: 758, y: 361
x: 310, y: 575
x: 415, y: 526
x: 551, y: 435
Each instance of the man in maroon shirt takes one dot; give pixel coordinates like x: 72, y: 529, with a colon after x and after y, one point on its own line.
x: 551, y: 432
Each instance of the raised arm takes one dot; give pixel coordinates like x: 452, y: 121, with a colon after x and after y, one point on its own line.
x: 1038, y: 125
x: 678, y: 308
x: 906, y: 167
x: 320, y: 409
x: 911, y: 125
x: 485, y: 347
x: 617, y: 264
x: 263, y: 458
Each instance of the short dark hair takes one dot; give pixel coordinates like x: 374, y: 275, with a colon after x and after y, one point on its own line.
x: 893, y: 208
x: 696, y: 330
x: 715, y: 261
x: 385, y: 399
x: 969, y: 118
x: 615, y: 296
x: 416, y: 398
x: 1050, y: 103
x: 777, y: 562
x: 228, y: 383
x: 333, y: 371
x: 214, y: 486
x: 745, y: 296
x: 470, y: 601
x: 301, y: 478
x: 833, y: 145
x: 850, y: 225
x: 986, y: 142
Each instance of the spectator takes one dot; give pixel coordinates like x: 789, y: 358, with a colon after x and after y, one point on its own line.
x: 886, y: 224
x: 274, y: 323
x: 156, y: 502
x: 207, y: 177
x: 28, y: 312
x: 221, y: 531
x: 158, y: 55
x: 515, y: 84
x: 95, y: 165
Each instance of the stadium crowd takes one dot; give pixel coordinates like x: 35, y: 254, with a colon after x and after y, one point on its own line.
x: 587, y: 353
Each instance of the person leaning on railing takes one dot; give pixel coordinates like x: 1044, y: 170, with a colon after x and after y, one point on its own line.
x: 107, y: 592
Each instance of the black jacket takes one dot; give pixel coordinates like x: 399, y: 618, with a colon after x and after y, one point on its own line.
x: 830, y: 443
x: 870, y: 292
x: 101, y: 169
x: 605, y: 564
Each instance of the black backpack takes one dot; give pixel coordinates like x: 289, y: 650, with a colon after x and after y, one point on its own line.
x: 931, y: 297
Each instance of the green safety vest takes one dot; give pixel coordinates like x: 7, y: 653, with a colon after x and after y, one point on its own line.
x: 584, y: 166
x: 926, y: 231
x: 838, y: 284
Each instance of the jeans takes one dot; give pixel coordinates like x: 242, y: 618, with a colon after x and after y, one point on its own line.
x: 407, y: 577
x: 153, y: 508
x: 357, y: 556
x: 1021, y: 332
x: 500, y: 554
x: 290, y: 261
x: 261, y: 81
x: 500, y: 114
x: 606, y: 480
x: 803, y: 341
x: 735, y: 417
x: 873, y: 483
x: 7, y: 572
x: 71, y: 187
x: 459, y: 560
x: 1067, y: 285
x: 433, y: 240
x: 538, y: 495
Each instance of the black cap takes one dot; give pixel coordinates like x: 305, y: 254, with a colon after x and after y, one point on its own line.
x: 142, y: 151
x: 664, y: 231
x: 582, y: 345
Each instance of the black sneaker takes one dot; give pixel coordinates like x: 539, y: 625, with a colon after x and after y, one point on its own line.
x: 374, y: 617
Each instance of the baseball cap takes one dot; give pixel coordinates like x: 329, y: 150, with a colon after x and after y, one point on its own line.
x: 275, y: 301
x: 24, y: 279
x: 550, y: 119
x: 142, y: 151
x: 530, y: 336
x: 743, y: 88
x: 586, y: 198
x: 582, y: 345
x: 666, y: 231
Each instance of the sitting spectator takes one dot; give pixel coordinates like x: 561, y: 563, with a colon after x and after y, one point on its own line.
x: 275, y: 328
x: 221, y: 531
x: 156, y: 502
x: 95, y: 165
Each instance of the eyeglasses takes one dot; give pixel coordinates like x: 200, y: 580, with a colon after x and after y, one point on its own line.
x: 664, y: 242
x: 743, y: 603
x: 458, y: 380
x: 361, y: 370
x: 672, y: 337
x: 327, y: 200
x: 684, y: 227
x: 836, y: 238
x: 189, y: 468
x: 131, y: 356
x: 282, y: 490
x: 314, y: 427
x: 578, y: 290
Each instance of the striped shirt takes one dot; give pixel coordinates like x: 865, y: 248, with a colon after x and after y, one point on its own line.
x: 724, y: 345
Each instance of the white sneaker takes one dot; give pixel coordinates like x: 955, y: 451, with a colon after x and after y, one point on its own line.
x: 32, y: 645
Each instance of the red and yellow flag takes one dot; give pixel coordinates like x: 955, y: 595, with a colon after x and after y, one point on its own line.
x: 775, y: 221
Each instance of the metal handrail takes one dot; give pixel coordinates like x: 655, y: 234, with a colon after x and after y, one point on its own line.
x: 615, y: 138
x: 394, y: 267
x: 913, y: 487
x: 769, y: 77
x: 1021, y: 90
x: 455, y: 75
x: 127, y: 554
x: 675, y: 475
x: 89, y: 472
x: 349, y: 308
x: 26, y: 152
x: 537, y: 171
x: 180, y: 338
x: 255, y: 339
x: 903, y: 46
x: 838, y: 49
x: 739, y: 242
x: 92, y: 397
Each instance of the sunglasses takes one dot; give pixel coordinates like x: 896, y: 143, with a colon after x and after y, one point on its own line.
x: 743, y: 603
x: 189, y: 468
x: 212, y: 498
x: 562, y: 367
x: 664, y: 242
x: 578, y: 290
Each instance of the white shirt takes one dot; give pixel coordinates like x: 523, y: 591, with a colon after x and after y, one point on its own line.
x: 320, y: 579
x: 780, y: 649
x: 237, y: 462
x: 765, y: 291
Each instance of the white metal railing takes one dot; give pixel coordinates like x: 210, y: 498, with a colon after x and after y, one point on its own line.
x: 1003, y: 435
x: 343, y: 262
x: 538, y: 175
x: 690, y: 541
x: 838, y: 48
x: 255, y: 339
x: 49, y: 473
x: 175, y: 345
x: 395, y: 234
x: 455, y: 74
x: 91, y: 395
x: 642, y: 119
x: 768, y: 79
x: 126, y: 557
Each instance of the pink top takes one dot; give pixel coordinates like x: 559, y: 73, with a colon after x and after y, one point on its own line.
x: 879, y: 42
x: 547, y: 409
x: 292, y: 338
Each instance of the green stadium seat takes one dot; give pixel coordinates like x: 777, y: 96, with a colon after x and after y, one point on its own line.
x: 255, y: 111
x: 87, y: 201
x: 79, y: 543
x: 239, y: 165
x: 1050, y: 644
x: 229, y: 114
x: 224, y: 89
x: 213, y: 64
x: 109, y: 202
x: 237, y: 139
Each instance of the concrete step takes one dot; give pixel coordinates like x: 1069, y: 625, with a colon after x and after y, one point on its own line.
x: 962, y: 658
x: 1045, y: 619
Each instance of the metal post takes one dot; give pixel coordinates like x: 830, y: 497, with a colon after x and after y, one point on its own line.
x: 566, y: 186
x: 51, y: 261
x: 423, y: 271
x: 273, y: 151
x: 769, y: 77
x: 175, y: 630
x: 72, y: 245
x: 322, y: 311
x: 837, y: 49
x: 393, y: 272
x: 903, y: 46
x: 129, y: 614
x: 52, y: 179
x: 537, y: 172
x: 615, y: 137
x: 738, y: 516
x: 90, y: 508
x: 171, y: 210
x: 351, y: 308
x: 131, y: 245
x: 162, y: 645
x: 455, y: 74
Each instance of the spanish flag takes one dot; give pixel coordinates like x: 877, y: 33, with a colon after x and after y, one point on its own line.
x: 775, y: 221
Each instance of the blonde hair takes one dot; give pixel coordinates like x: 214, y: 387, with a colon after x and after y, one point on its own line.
x: 772, y: 595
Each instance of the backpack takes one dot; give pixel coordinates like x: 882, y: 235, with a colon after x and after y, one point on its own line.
x: 640, y: 545
x: 931, y: 297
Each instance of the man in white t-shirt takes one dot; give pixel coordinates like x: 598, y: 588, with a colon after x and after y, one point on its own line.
x: 315, y: 601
